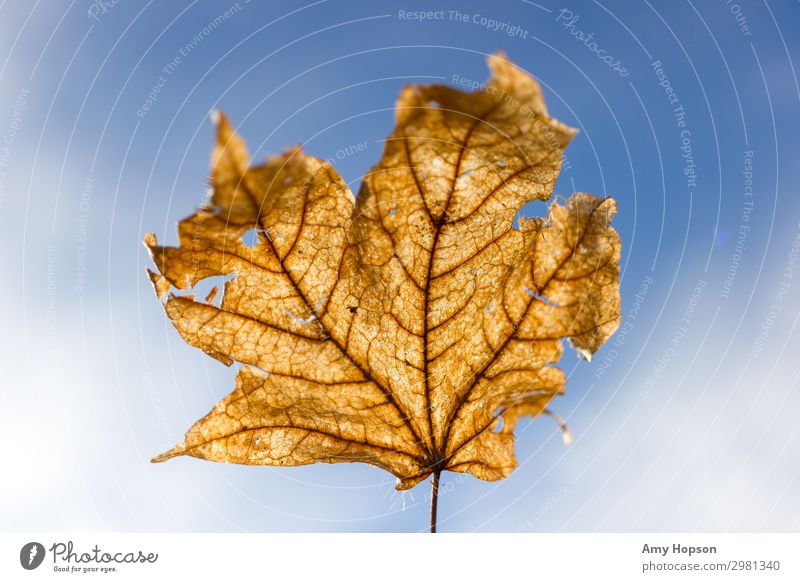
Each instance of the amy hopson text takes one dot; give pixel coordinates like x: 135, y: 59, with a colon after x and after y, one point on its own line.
x: 678, y: 549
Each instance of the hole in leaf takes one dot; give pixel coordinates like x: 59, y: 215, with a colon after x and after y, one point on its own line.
x: 499, y: 427
x: 542, y: 298
x: 250, y: 238
x: 211, y: 289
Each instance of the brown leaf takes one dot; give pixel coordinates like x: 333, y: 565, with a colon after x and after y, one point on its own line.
x: 410, y: 327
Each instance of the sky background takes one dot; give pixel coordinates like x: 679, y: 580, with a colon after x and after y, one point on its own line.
x: 687, y: 421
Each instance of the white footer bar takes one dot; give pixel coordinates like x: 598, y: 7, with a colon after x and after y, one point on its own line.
x: 402, y: 557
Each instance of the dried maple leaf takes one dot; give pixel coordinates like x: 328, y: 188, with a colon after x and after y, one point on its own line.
x: 410, y: 327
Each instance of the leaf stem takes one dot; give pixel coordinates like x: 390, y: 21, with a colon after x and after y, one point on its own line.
x: 434, y: 499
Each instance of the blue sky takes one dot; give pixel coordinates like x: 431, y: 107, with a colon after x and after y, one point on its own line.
x: 686, y: 422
